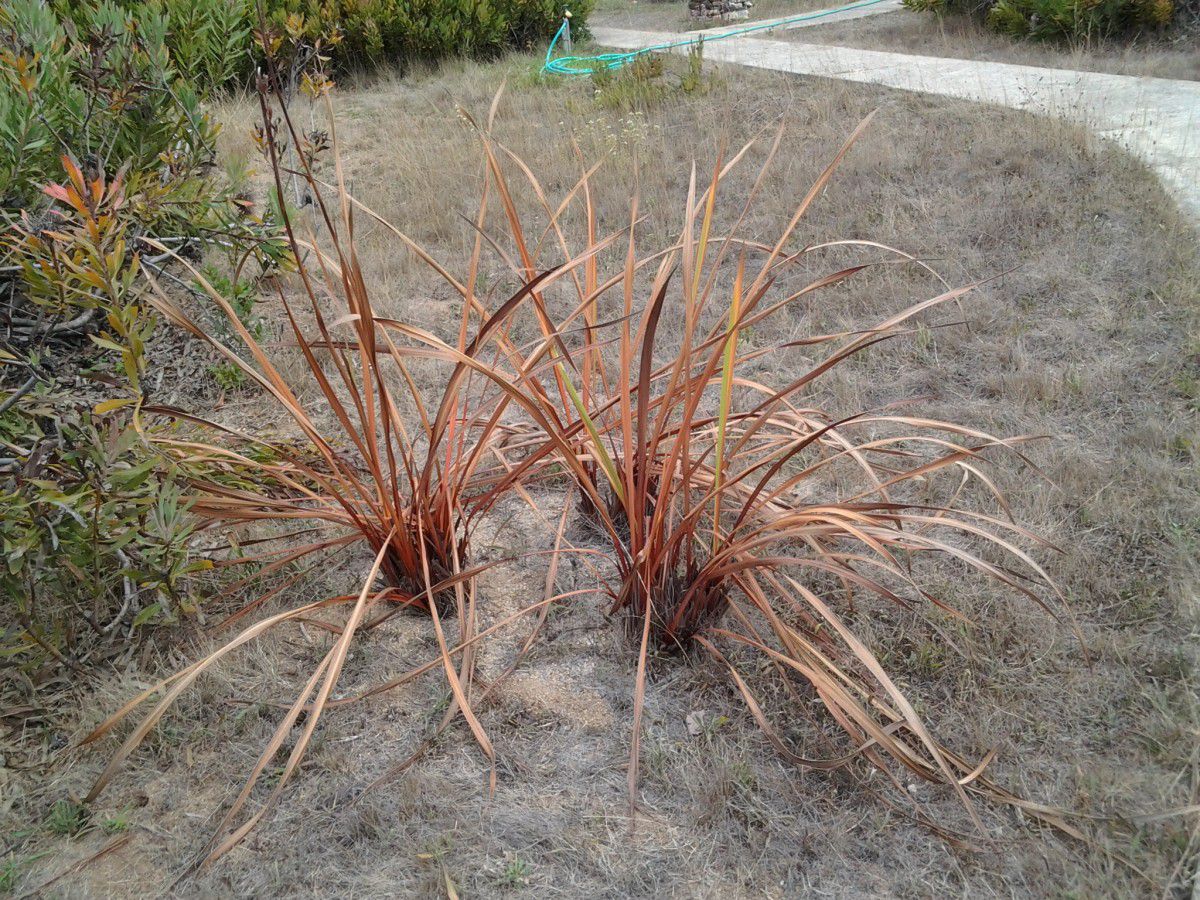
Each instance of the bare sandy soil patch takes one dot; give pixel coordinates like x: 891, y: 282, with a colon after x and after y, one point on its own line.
x: 1085, y: 331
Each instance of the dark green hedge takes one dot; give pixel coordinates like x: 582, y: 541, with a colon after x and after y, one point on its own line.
x: 1070, y: 20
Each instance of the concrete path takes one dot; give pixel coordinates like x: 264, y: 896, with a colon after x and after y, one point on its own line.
x: 1157, y: 119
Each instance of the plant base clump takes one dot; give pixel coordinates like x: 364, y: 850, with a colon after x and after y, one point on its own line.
x: 679, y: 606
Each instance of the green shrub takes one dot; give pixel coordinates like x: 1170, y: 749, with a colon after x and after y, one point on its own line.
x: 1077, y: 19
x: 104, y: 92
x: 208, y: 41
x: 82, y: 263
x: 212, y: 44
x: 93, y: 96
x: 1069, y: 20
x: 534, y: 21
x: 94, y: 533
x: 398, y: 32
x: 103, y: 144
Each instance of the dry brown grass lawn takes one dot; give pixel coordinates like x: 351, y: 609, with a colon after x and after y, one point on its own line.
x: 959, y: 37
x: 1088, y: 334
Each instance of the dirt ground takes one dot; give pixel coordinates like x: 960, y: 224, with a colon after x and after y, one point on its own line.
x: 1086, y: 333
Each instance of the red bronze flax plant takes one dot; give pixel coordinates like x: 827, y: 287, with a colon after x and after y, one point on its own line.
x: 756, y: 524
x: 740, y: 516
x: 359, y: 475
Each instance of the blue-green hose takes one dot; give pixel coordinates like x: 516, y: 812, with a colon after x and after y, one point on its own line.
x: 589, y: 65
